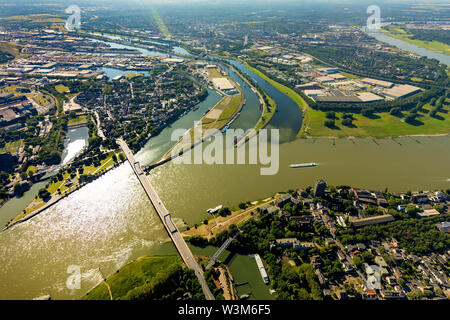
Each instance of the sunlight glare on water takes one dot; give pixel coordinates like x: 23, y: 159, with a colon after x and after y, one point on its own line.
x: 105, y: 224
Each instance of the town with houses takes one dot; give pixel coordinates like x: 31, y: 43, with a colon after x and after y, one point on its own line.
x: 370, y: 269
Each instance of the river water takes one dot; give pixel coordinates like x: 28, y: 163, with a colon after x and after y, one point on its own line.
x: 110, y: 221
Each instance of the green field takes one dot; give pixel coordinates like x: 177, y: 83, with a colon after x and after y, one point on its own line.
x: 62, y: 88
x: 381, y: 125
x: 229, y: 109
x: 132, y: 75
x: 398, y: 33
x: 41, y: 99
x: 132, y: 275
x: 38, y: 97
x: 79, y: 119
x: 267, y: 113
x: 31, y: 168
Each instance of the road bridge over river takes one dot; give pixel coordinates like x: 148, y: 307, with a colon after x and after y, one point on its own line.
x: 166, y: 219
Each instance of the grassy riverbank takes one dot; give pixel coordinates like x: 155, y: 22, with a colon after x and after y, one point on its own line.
x: 379, y: 125
x: 396, y: 32
x: 267, y: 113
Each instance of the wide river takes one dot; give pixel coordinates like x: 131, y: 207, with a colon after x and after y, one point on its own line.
x: 380, y: 36
x: 111, y: 221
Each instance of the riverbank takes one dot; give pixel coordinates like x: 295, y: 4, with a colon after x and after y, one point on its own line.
x: 400, y: 34
x: 61, y: 189
x: 378, y: 125
x: 381, y: 125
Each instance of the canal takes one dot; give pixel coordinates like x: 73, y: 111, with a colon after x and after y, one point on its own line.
x: 110, y: 221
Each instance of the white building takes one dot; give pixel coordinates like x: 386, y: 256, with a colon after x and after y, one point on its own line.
x: 261, y: 268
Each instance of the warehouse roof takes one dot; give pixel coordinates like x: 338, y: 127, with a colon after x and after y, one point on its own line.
x: 376, y: 82
x: 341, y: 99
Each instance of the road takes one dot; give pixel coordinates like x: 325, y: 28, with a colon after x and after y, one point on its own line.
x: 166, y: 219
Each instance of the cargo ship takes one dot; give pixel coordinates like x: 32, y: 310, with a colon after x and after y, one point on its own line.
x: 303, y: 165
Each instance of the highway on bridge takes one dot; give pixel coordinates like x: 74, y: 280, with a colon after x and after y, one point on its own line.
x: 166, y: 219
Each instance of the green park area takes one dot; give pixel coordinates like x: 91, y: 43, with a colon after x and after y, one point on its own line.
x: 397, y: 32
x: 78, y: 119
x: 31, y: 170
x: 153, y: 277
x: 62, y: 88
x: 132, y: 75
x: 42, y: 99
x: 228, y: 107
